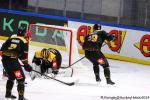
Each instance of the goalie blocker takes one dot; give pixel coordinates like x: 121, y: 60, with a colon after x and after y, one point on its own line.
x: 47, y: 58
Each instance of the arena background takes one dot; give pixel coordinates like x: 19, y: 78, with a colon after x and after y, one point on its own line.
x: 127, y: 17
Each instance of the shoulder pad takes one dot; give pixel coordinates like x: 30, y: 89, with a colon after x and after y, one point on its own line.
x: 38, y: 54
x: 51, y: 56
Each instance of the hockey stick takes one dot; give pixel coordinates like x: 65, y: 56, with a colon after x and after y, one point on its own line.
x: 104, y: 44
x: 78, y: 60
x: 69, y: 84
x: 73, y: 63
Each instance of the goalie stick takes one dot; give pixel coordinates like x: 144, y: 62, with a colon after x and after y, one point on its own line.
x: 69, y: 84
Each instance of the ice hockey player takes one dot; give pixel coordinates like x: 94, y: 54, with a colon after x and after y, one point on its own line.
x: 92, y: 47
x: 48, y: 58
x: 14, y: 49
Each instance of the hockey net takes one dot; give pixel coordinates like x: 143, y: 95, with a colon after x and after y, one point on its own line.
x: 50, y: 36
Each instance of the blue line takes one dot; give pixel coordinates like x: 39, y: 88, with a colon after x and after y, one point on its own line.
x: 72, y: 19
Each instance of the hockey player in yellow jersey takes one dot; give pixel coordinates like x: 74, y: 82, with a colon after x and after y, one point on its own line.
x: 48, y: 58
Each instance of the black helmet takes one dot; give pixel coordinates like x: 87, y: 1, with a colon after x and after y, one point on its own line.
x: 45, y: 53
x: 21, y: 31
x: 97, y: 27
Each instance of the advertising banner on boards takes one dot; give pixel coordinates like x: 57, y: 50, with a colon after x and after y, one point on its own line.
x: 11, y: 20
x: 131, y: 44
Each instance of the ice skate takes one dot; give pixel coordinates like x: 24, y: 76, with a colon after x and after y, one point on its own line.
x: 109, y: 81
x: 12, y: 97
x: 22, y: 98
x: 97, y: 78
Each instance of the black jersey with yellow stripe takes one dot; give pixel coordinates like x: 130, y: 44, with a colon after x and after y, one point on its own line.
x: 16, y: 44
x: 94, y: 41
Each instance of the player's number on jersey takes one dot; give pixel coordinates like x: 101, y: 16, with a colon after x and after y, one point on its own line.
x: 13, y: 46
x: 93, y: 38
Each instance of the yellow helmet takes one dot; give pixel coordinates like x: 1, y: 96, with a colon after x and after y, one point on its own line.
x: 45, y: 53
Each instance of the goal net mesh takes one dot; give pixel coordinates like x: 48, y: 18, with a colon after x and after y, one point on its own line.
x: 60, y: 38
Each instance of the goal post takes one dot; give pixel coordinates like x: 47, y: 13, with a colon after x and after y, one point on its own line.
x: 61, y: 38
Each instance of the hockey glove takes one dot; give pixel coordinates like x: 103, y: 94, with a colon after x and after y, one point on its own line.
x: 28, y: 68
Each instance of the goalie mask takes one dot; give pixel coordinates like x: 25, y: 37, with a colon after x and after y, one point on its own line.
x: 45, y: 53
x: 97, y: 27
x: 21, y: 31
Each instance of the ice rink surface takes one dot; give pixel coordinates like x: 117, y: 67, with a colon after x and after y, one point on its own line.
x: 132, y: 83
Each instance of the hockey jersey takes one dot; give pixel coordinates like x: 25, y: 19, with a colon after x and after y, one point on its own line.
x: 15, y: 46
x: 94, y: 41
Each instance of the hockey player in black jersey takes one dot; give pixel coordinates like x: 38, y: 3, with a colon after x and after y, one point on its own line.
x: 14, y: 49
x: 92, y: 46
x: 48, y: 58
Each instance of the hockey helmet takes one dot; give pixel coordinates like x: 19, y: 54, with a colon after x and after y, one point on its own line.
x: 45, y: 53
x: 21, y: 31
x: 97, y: 27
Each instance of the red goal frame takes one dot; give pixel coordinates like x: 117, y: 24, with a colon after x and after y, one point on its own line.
x: 29, y: 35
